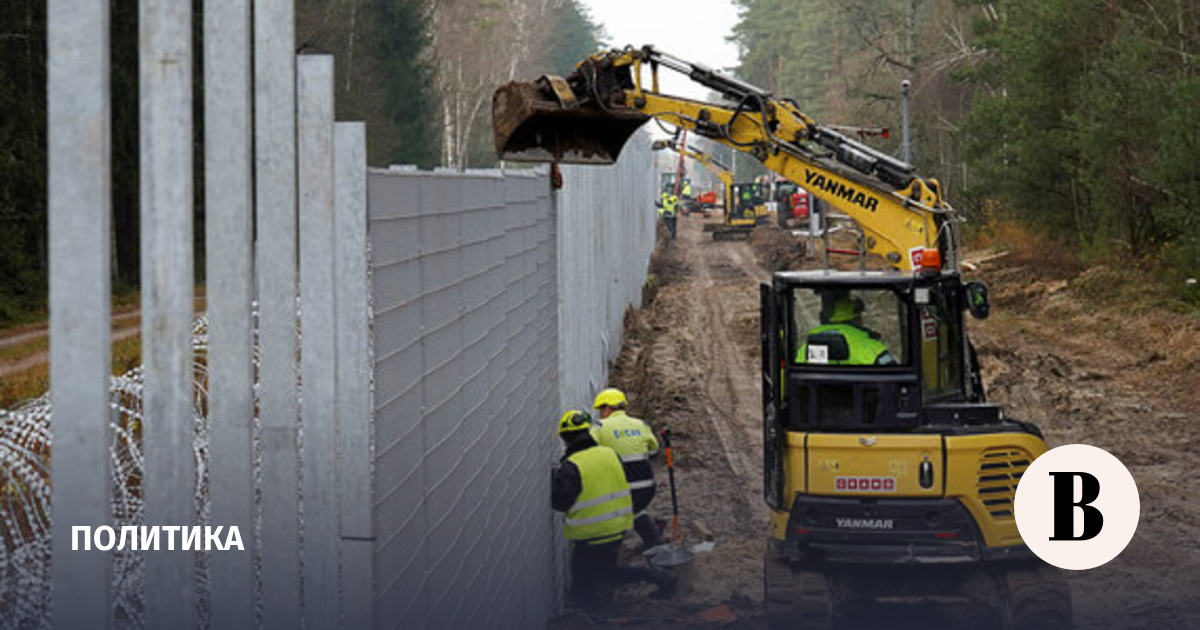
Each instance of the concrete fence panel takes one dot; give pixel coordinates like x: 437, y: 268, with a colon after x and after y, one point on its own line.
x: 495, y: 301
x: 465, y: 376
x: 606, y: 222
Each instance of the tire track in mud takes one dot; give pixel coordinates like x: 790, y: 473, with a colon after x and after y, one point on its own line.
x: 730, y: 385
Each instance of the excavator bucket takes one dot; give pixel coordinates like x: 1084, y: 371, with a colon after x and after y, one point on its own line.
x: 544, y: 121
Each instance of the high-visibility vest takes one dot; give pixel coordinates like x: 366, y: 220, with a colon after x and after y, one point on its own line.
x: 630, y: 437
x: 687, y: 189
x: 603, y: 511
x: 669, y: 206
x: 634, y: 443
x: 864, y: 349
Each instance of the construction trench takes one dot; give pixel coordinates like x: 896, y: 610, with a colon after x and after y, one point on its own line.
x: 690, y: 362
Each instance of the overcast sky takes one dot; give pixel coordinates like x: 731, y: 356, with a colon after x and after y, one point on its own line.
x: 694, y: 30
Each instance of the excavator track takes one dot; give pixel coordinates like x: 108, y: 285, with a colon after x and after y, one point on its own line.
x: 995, y: 598
x: 796, y: 599
x: 1038, y: 599
x: 722, y: 233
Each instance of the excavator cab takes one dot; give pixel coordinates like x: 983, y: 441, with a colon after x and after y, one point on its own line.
x: 739, y: 216
x: 880, y: 447
x: 668, y: 183
x: 746, y: 198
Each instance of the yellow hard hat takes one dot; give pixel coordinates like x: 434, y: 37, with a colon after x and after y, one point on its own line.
x: 839, y: 306
x: 610, y: 397
x: 574, y: 420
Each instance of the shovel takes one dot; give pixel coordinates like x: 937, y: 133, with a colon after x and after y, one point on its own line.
x: 666, y: 436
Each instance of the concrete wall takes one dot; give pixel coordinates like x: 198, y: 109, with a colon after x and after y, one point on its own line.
x: 495, y: 303
x: 465, y: 380
x: 606, y: 221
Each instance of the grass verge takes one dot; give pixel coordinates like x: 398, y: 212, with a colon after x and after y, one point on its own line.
x: 35, y: 381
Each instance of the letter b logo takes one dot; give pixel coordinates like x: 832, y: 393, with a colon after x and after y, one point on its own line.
x: 1077, y: 507
x: 1064, y: 506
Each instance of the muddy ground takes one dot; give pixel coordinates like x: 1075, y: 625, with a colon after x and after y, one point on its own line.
x: 1111, y: 375
x: 1123, y: 378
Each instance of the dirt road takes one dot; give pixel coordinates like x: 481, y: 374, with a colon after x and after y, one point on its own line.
x: 42, y: 357
x: 1084, y: 373
x: 34, y: 332
x: 126, y: 323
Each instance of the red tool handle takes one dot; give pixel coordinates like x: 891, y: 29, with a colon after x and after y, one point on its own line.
x: 666, y: 436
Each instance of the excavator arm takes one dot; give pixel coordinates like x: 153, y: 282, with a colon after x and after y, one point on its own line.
x: 716, y: 168
x: 588, y: 116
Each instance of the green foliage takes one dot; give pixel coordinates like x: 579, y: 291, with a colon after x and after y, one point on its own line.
x: 843, y: 62
x: 22, y: 161
x: 1177, y: 168
x: 1086, y: 124
x: 786, y: 49
x: 573, y: 37
x: 1078, y: 118
x: 126, y: 196
x: 1020, y: 134
x: 402, y: 41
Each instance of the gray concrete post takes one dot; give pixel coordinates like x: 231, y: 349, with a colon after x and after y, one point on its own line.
x: 169, y: 481
x: 318, y: 349
x: 229, y: 277
x: 353, y: 372
x: 79, y: 203
x: 275, y: 269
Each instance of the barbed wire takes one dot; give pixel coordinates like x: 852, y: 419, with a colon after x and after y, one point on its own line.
x: 25, y: 515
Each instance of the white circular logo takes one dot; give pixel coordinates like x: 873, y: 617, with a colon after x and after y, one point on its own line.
x: 1077, y: 507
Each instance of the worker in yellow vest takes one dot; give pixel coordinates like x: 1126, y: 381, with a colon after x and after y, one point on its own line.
x: 635, y: 444
x: 842, y: 339
x: 589, y: 486
x: 668, y: 211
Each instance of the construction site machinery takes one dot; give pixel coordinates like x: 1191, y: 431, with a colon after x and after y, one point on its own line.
x: 743, y: 209
x: 666, y: 182
x: 709, y: 200
x: 738, y: 214
x: 697, y: 203
x: 889, y: 482
x: 794, y: 204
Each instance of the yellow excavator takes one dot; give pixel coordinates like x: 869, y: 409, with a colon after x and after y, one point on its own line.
x: 738, y: 220
x: 889, y: 478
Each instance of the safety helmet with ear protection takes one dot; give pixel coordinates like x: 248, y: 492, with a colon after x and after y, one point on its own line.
x: 574, y: 420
